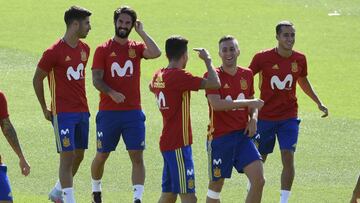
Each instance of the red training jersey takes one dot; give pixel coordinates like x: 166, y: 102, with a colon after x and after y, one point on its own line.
x: 3, y: 106
x: 66, y: 76
x: 277, y: 82
x: 121, y: 65
x: 172, y: 87
x: 233, y: 87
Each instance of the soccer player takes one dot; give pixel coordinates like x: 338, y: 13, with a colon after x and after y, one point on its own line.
x: 279, y: 69
x: 116, y: 74
x: 233, y: 117
x: 172, y: 86
x: 356, y: 193
x: 10, y: 134
x: 63, y: 63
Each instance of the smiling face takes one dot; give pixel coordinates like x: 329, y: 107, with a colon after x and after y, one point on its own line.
x: 229, y: 52
x: 123, y: 25
x: 286, y: 37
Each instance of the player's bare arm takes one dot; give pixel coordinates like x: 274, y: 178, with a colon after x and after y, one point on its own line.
x: 99, y: 84
x: 10, y: 135
x: 38, y: 79
x: 212, y: 81
x: 251, y: 127
x: 308, y: 89
x: 219, y: 104
x: 152, y: 50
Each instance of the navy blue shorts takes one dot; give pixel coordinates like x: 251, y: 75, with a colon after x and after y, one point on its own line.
x: 286, y: 131
x: 71, y: 131
x: 5, y: 189
x: 111, y: 125
x: 232, y: 150
x: 178, y: 172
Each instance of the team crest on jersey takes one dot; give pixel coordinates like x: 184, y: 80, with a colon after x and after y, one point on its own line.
x: 294, y: 67
x: 159, y: 83
x: 243, y: 84
x: 99, y: 144
x: 191, y: 183
x: 83, y: 55
x: 66, y: 142
x: 132, y: 53
x: 217, y: 172
x: 275, y: 67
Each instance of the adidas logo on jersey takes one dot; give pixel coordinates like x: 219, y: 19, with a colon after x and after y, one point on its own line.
x: 67, y: 58
x: 113, y: 54
x: 226, y: 86
x: 276, y: 67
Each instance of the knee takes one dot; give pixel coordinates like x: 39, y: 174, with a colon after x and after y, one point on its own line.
x: 101, y: 157
x: 258, y: 182
x: 79, y: 157
x: 287, y: 158
x: 216, y: 186
x: 137, y: 158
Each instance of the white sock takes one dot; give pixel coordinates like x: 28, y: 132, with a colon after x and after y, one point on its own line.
x: 58, y: 185
x: 96, y: 185
x: 284, y: 196
x: 248, y: 186
x: 69, y: 195
x: 138, y: 191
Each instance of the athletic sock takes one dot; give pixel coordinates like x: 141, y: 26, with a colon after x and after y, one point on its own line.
x: 58, y: 185
x: 69, y: 195
x: 284, y: 196
x: 96, y: 185
x: 138, y: 191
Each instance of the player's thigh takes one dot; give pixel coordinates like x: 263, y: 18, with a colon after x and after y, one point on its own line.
x: 108, y: 131
x: 64, y: 128
x: 5, y: 189
x: 288, y: 132
x: 220, y: 156
x: 245, y: 153
x: 82, y: 131
x: 133, y: 130
x: 255, y: 172
x: 180, y: 168
x: 265, y: 140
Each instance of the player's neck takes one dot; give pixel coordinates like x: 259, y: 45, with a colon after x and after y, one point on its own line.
x: 283, y: 52
x: 175, y: 64
x: 121, y: 41
x: 71, y: 39
x: 231, y: 70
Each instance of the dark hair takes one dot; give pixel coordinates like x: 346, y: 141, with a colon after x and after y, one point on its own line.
x: 127, y: 10
x: 175, y: 47
x: 282, y: 24
x: 226, y: 38
x: 75, y: 13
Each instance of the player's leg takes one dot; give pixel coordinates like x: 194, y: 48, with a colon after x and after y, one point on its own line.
x: 167, y: 197
x: 133, y: 132
x: 107, y: 137
x: 288, y: 131
x: 356, y: 193
x: 5, y: 189
x: 81, y: 140
x: 220, y: 163
x: 248, y: 160
x: 167, y: 185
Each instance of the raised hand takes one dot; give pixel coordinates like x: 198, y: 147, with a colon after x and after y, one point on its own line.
x: 139, y: 26
x: 203, y: 53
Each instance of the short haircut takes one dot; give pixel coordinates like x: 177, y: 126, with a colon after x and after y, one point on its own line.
x: 125, y: 10
x: 175, y: 47
x: 75, y: 13
x: 281, y: 24
x: 227, y: 38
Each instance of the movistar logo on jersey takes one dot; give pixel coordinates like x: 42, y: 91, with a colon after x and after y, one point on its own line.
x: 160, y: 100
x: 75, y: 74
x: 217, y: 161
x: 64, y: 131
x: 285, y: 84
x: 190, y: 172
x: 122, y: 71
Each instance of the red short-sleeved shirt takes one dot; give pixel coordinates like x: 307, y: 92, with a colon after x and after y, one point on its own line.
x: 3, y: 106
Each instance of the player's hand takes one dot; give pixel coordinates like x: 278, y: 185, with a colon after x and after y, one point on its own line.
x: 117, y: 97
x: 203, y: 54
x: 47, y: 114
x: 323, y: 109
x: 251, y: 128
x: 24, y: 167
x: 256, y: 104
x: 139, y: 28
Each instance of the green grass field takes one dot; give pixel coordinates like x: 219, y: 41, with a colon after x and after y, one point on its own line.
x: 327, y: 160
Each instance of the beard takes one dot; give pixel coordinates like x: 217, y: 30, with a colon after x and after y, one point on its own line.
x: 122, y: 32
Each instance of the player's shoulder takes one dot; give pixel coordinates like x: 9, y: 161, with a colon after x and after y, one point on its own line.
x: 299, y: 54
x: 218, y: 71
x: 84, y: 44
x: 245, y: 70
x: 265, y: 52
x: 2, y: 96
x: 106, y: 44
x: 58, y: 44
x: 135, y: 44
